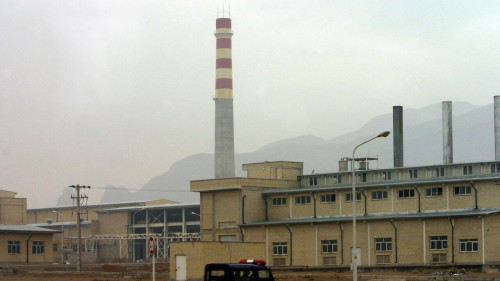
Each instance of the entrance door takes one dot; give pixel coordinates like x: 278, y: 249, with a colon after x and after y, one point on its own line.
x: 180, y: 268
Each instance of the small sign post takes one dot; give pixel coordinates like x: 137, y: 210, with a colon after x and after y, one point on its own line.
x: 151, y: 249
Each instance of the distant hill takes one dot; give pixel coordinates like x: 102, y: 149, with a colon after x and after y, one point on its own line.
x: 473, y: 140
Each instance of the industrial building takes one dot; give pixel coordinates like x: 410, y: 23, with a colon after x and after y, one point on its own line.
x: 21, y: 243
x: 436, y: 215
x: 117, y: 232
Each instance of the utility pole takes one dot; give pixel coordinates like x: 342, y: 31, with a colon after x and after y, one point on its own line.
x: 78, y: 199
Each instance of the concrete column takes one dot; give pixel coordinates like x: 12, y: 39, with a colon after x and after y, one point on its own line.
x: 397, y: 124
x: 497, y: 127
x: 447, y: 133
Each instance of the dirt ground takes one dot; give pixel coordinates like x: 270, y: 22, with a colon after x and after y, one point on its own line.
x: 137, y: 272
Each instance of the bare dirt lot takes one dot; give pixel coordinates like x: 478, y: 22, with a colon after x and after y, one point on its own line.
x: 136, y: 272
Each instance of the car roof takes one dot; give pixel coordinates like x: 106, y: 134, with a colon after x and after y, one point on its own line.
x: 235, y: 266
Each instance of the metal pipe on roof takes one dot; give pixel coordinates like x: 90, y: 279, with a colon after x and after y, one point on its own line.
x: 397, y: 124
x: 447, y: 132
x: 496, y: 109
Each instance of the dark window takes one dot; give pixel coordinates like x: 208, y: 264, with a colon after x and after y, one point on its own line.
x: 300, y: 200
x: 439, y: 242
x: 379, y: 195
x: 386, y: 176
x: 468, y: 245
x: 413, y: 174
x: 468, y: 170
x: 462, y: 190
x: 362, y: 177
x: 38, y: 247
x: 348, y: 196
x: 329, y: 246
x: 406, y: 193
x: 280, y: 201
x: 328, y: 198
x: 313, y: 180
x: 495, y: 168
x: 54, y: 248
x: 280, y: 248
x: 383, y: 244
x: 14, y: 247
x: 440, y: 172
x: 434, y: 192
x: 337, y: 179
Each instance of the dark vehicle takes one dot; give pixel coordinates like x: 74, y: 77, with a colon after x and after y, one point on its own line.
x: 246, y: 270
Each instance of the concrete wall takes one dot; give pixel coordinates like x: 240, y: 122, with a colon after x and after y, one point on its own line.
x: 12, y: 210
x: 198, y: 254
x: 46, y: 257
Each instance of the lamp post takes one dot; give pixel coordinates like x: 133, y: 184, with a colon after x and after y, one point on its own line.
x: 353, y: 198
x: 62, y: 234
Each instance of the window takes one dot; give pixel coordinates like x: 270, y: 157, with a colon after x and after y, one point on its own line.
x: 406, y: 193
x: 313, y: 180
x: 38, y: 247
x: 439, y: 242
x: 413, y: 174
x: 279, y: 261
x: 383, y: 259
x: 227, y: 238
x: 14, y: 247
x: 329, y: 260
x: 383, y: 244
x: 222, y: 225
x: 495, y: 168
x: 348, y: 197
x: 379, y: 195
x: 54, y: 248
x: 362, y: 177
x: 280, y: 201
x: 337, y: 179
x: 329, y: 246
x: 468, y: 170
x: 434, y: 192
x: 440, y: 172
x: 301, y: 200
x: 468, y: 245
x: 328, y: 198
x: 386, y: 176
x: 462, y: 190
x: 280, y: 248
x: 439, y: 258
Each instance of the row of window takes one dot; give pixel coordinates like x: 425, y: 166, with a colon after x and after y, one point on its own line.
x: 37, y: 247
x: 412, y: 174
x: 384, y: 244
x: 375, y: 195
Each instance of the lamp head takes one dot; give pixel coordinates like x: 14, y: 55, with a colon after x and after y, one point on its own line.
x: 383, y: 134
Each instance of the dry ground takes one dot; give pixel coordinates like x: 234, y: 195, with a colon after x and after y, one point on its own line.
x: 136, y: 272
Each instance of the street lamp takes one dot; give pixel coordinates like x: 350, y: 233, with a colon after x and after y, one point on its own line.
x: 353, y: 198
x: 62, y: 234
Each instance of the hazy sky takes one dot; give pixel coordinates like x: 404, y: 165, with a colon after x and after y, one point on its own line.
x: 114, y: 92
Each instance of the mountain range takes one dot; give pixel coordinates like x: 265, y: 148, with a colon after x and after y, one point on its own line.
x: 473, y: 140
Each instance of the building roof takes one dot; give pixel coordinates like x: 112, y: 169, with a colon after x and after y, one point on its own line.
x: 152, y: 207
x: 380, y: 184
x: 378, y: 216
x: 55, y: 224
x: 95, y: 205
x: 25, y: 229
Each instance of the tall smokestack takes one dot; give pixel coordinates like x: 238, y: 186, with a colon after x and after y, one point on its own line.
x: 397, y: 125
x: 497, y: 126
x: 447, y: 133
x: 224, y: 128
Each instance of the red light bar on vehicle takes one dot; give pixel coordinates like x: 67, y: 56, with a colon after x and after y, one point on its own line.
x: 256, y: 262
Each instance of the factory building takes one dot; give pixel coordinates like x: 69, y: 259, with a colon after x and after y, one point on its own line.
x: 19, y: 242
x: 117, y: 232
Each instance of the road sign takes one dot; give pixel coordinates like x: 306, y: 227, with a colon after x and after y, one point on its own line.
x: 151, y: 245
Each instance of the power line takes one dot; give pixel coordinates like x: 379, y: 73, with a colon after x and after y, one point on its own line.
x: 141, y: 190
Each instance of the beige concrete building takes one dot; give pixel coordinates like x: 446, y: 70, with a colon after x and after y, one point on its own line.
x: 416, y: 216
x: 21, y: 243
x: 117, y: 232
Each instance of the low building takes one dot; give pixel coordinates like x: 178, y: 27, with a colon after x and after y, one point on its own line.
x: 21, y: 243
